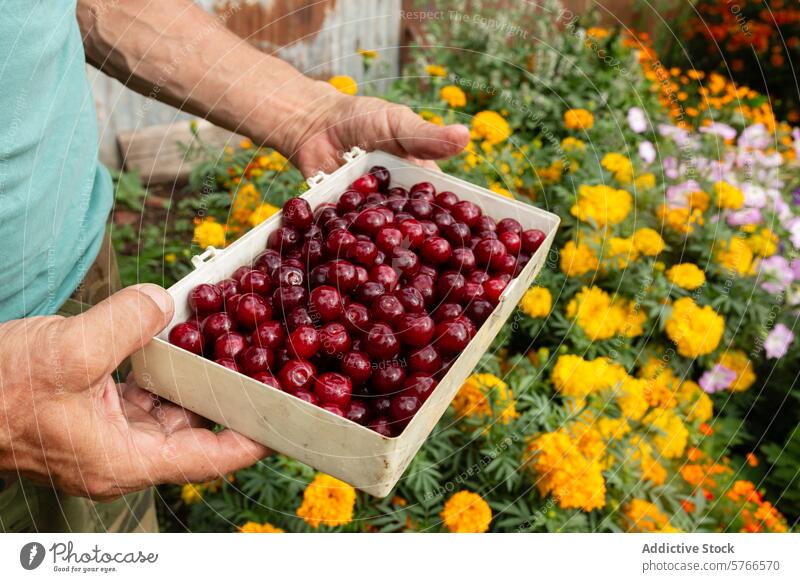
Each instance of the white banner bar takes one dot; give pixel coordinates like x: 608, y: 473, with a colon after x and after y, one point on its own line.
x: 401, y: 557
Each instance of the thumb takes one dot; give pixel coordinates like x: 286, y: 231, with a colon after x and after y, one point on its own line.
x: 109, y: 332
x: 425, y: 140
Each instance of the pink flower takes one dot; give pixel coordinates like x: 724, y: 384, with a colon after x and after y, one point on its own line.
x: 647, y: 152
x: 717, y: 378
x: 637, y: 120
x: 721, y: 129
x: 778, y: 341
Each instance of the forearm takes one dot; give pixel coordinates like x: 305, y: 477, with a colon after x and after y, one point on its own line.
x: 175, y: 52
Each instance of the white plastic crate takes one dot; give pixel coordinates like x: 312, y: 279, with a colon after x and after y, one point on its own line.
x: 327, y: 442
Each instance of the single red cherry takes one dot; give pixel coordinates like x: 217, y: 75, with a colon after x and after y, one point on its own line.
x: 413, y: 234
x: 442, y: 218
x: 531, y: 240
x: 411, y: 299
x: 472, y: 292
x: 356, y: 318
x: 363, y: 252
x: 508, y: 266
x: 205, y: 299
x: 386, y: 308
x: 380, y: 342
x: 268, y: 379
x: 358, y: 412
x: 429, y: 228
x: 404, y: 407
x: 447, y: 311
x: 485, y: 224
x: 297, y: 375
x: 297, y: 214
x: 215, y: 325
x: 436, y: 250
x: 369, y: 292
x: 509, y: 225
x: 289, y: 275
x: 255, y: 282
x: 229, y: 288
x: 252, y: 310
x: 419, y: 208
x: 228, y: 345
x: 383, y: 177
x: 382, y: 426
x: 357, y: 366
x: 422, y: 385
x: 385, y: 275
x: 490, y: 253
x: 388, y: 378
x: 494, y: 288
x: 423, y: 189
x: 326, y: 302
x: 285, y: 299
x: 269, y: 334
x: 424, y: 284
x: 446, y: 200
x: 283, y: 239
x: 333, y: 388
x: 365, y: 184
x: 369, y: 221
x: 312, y: 253
x: 188, y: 337
x: 467, y: 212
x: 458, y: 234
x: 338, y: 243
x: 425, y: 359
x: 388, y: 238
x: 334, y: 339
x: 462, y: 260
x: 479, y: 311
x: 511, y: 240
x: 405, y: 261
x: 267, y: 262
x: 349, y: 201
x: 255, y: 359
x: 451, y: 336
x: 304, y: 342
x: 229, y: 363
x: 415, y: 329
x: 450, y: 287
x: 342, y: 276
x: 298, y: 317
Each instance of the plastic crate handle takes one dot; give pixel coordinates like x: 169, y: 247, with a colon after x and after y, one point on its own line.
x: 207, y: 255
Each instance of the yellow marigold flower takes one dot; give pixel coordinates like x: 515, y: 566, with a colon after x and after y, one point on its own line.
x: 345, y: 84
x: 686, y: 276
x: 476, y: 395
x: 671, y: 436
x: 597, y: 32
x: 490, y: 127
x: 699, y: 200
x: 736, y: 256
x: 763, y: 243
x: 466, y: 512
x: 695, y: 403
x: 651, y: 469
x: 648, y: 242
x: 244, y: 202
x: 696, y: 330
x: 327, y: 501
x: 645, y: 181
x: 368, y: 54
x: 576, y: 377
x: 537, y: 302
x: 170, y: 258
x: 613, y: 428
x: 578, y: 119
x: 431, y: 117
x: 728, y: 196
x: 453, y: 96
x: 245, y: 144
x: 436, y: 71
x: 595, y: 313
x: 577, y: 259
x: 602, y: 204
x: 191, y: 493
x: 255, y: 527
x: 209, y: 233
x: 498, y: 189
x: 620, y: 252
x: 738, y: 361
x: 634, y: 319
x: 572, y: 144
x: 261, y: 213
x: 680, y: 219
x: 639, y: 515
x: 563, y: 471
x: 620, y: 166
x: 631, y: 398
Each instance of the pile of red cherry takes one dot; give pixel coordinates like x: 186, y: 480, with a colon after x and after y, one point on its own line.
x: 361, y: 306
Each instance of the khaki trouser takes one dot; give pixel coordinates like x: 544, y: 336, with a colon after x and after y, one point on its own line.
x: 25, y: 507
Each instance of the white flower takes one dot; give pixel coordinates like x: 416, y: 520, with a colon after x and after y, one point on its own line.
x: 647, y: 152
x: 637, y: 120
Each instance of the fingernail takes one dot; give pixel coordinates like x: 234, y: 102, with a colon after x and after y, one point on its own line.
x: 158, y: 295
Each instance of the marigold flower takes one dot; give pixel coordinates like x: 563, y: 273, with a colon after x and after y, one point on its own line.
x: 498, y: 189
x: 476, y: 395
x: 191, y: 493
x: 491, y: 127
x: 255, y: 527
x: 763, y: 243
x: 244, y: 202
x: 728, y: 196
x: 572, y: 144
x: 367, y: 54
x: 671, y: 436
x: 738, y: 362
x: 577, y: 259
x: 695, y: 330
x: 578, y: 119
x: 735, y: 256
x: 345, y: 84
x: 620, y: 252
x: 436, y: 71
x: 453, y: 96
x: 695, y: 403
x: 620, y: 166
x: 640, y: 515
x: 261, y: 213
x: 466, y: 512
x: 648, y: 242
x: 686, y: 275
x: 575, y: 377
x: 645, y: 181
x: 537, y: 302
x: 209, y: 233
x: 602, y: 204
x: 327, y: 501
x: 631, y: 398
x: 680, y: 219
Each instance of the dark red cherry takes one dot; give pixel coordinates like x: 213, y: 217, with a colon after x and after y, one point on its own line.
x: 472, y: 292
x: 267, y: 262
x: 342, y: 276
x: 385, y: 275
x: 424, y: 284
x: 333, y: 388
x: 255, y: 282
x: 404, y: 407
x: 429, y: 228
x: 356, y: 318
x: 490, y: 253
x: 425, y: 359
x: 363, y: 252
x: 229, y: 363
x: 298, y: 317
x: 386, y: 308
x: 369, y: 221
x: 269, y: 334
x: 357, y: 366
x: 318, y: 276
x: 284, y: 239
x: 423, y: 189
x: 415, y: 329
x: 312, y: 253
x: 531, y: 240
x: 382, y: 175
x: 382, y: 426
x: 255, y: 359
x: 509, y: 225
x: 297, y: 214
x: 229, y: 288
x: 188, y: 337
x: 450, y: 287
x: 447, y: 311
x: 458, y: 234
x: 479, y: 277
x: 446, y: 200
x: 479, y: 311
x: 365, y: 184
x: 338, y: 243
x: 405, y: 261
x: 494, y: 288
x: 508, y: 266
x: 252, y: 310
x: 419, y: 208
x: 334, y: 339
x: 422, y: 385
x: 411, y: 299
x: 349, y: 201
x: 215, y: 325
x: 451, y: 336
x: 205, y: 299
x: 326, y: 302
x: 369, y: 292
x: 467, y: 212
x: 442, y: 219
x: 388, y: 238
x: 413, y: 234
x: 436, y: 250
x: 297, y: 375
x: 304, y: 342
x: 462, y: 260
x: 358, y: 412
x: 388, y: 378
x: 511, y: 241
x: 285, y: 299
x: 485, y: 224
x: 268, y: 379
x: 380, y: 342
x: 228, y: 345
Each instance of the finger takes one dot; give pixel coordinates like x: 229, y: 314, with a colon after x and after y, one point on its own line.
x: 138, y: 396
x: 173, y: 418
x: 425, y: 140
x: 427, y: 164
x: 109, y: 332
x: 195, y: 454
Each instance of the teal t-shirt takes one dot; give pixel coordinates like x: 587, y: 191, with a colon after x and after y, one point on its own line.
x: 55, y: 196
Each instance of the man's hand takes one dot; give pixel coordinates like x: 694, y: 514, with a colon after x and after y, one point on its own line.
x: 66, y: 424
x: 373, y: 124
